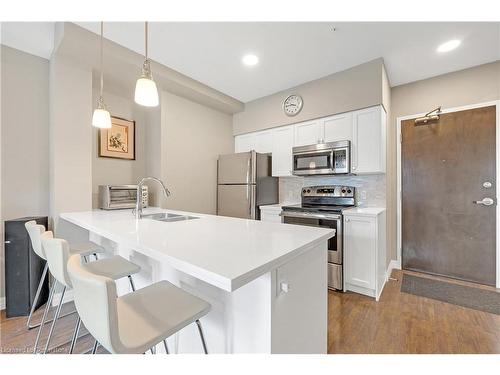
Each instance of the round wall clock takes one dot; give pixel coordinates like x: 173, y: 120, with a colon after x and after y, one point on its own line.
x: 292, y: 105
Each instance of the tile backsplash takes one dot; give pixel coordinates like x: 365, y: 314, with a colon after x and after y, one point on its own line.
x: 370, y: 189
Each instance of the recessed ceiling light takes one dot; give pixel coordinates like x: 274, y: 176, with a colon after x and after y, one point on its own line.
x: 250, y: 60
x: 449, y: 45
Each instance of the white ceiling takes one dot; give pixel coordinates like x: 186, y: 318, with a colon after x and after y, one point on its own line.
x: 291, y: 53
x: 36, y: 38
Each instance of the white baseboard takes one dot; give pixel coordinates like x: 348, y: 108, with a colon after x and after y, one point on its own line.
x: 393, y: 265
x: 68, y: 297
x: 2, y: 303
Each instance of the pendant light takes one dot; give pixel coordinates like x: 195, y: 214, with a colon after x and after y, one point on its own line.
x: 146, y: 93
x: 101, y: 117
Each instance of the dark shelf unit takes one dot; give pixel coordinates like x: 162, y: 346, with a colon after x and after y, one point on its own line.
x: 23, y: 268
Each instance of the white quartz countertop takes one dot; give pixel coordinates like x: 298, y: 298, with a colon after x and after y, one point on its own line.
x: 222, y: 251
x: 364, y: 211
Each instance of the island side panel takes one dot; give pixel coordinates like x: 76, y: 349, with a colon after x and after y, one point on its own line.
x: 300, y: 304
x: 255, y: 318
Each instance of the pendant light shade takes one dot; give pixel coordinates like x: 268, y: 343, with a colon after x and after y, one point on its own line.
x: 101, y: 117
x: 146, y: 92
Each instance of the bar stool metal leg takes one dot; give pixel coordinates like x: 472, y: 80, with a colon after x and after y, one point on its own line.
x: 75, y: 335
x: 54, y: 322
x: 37, y: 295
x: 198, y: 323
x: 131, y: 283
x: 44, y: 317
x: 94, y: 349
x: 166, y: 347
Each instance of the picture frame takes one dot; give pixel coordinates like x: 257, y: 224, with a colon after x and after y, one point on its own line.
x: 117, y: 142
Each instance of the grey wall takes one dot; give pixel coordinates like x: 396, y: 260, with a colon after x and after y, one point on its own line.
x: 25, y: 140
x: 194, y: 135
x: 351, y: 89
x: 474, y: 85
x: 109, y: 171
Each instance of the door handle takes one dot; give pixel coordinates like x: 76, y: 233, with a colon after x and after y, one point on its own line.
x: 485, y: 202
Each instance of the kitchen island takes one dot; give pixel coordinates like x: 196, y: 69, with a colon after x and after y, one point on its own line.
x: 266, y: 282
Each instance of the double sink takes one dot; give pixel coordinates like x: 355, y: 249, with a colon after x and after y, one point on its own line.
x: 168, y: 217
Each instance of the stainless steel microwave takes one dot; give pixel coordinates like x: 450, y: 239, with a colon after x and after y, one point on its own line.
x: 322, y: 159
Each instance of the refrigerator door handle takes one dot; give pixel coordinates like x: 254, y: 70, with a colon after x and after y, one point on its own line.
x: 252, y: 206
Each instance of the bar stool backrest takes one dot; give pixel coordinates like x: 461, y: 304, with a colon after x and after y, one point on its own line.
x: 95, y: 299
x: 35, y: 231
x: 57, y: 253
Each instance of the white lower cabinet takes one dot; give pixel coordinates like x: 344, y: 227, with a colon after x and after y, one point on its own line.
x: 365, y: 251
x: 270, y: 213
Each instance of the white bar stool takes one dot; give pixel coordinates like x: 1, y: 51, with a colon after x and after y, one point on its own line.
x: 137, y: 321
x: 57, y: 253
x: 35, y: 231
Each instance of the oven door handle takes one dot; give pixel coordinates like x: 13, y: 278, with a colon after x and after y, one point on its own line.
x: 310, y: 216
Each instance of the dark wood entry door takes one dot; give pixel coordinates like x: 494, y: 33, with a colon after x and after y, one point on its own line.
x: 446, y: 167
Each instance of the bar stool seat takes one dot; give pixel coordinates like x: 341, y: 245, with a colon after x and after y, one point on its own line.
x: 155, y: 312
x: 137, y: 321
x: 115, y: 267
x: 57, y: 252
x: 35, y: 232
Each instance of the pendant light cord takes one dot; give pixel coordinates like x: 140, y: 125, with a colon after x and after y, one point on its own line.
x: 146, y: 38
x: 102, y: 75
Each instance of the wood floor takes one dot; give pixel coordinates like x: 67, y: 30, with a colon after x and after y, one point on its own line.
x: 398, y: 323
x: 15, y: 338
x: 405, y: 323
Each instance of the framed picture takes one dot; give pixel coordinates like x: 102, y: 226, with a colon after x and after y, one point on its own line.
x: 118, y: 141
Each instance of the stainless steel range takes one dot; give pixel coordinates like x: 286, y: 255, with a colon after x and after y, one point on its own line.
x: 322, y: 206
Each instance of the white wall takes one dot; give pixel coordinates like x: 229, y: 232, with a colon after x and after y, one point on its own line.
x: 354, y: 88
x: 109, y: 171
x: 194, y: 135
x: 24, y: 138
x: 71, y: 133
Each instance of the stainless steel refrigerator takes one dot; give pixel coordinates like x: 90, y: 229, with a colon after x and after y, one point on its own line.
x: 244, y: 183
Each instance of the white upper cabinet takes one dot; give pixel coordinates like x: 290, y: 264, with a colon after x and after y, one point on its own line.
x: 338, y: 128
x: 258, y: 141
x: 244, y: 142
x: 368, y: 141
x: 282, y: 151
x: 308, y: 133
x: 366, y: 129
x: 264, y: 141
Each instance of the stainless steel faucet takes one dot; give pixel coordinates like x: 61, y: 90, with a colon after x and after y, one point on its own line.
x: 138, y: 203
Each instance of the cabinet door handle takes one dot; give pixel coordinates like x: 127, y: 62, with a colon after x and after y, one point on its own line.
x: 7, y: 242
x: 347, y: 219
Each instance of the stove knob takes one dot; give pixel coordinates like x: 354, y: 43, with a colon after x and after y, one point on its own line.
x: 304, y: 191
x: 308, y: 190
x: 349, y: 191
x: 343, y: 191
